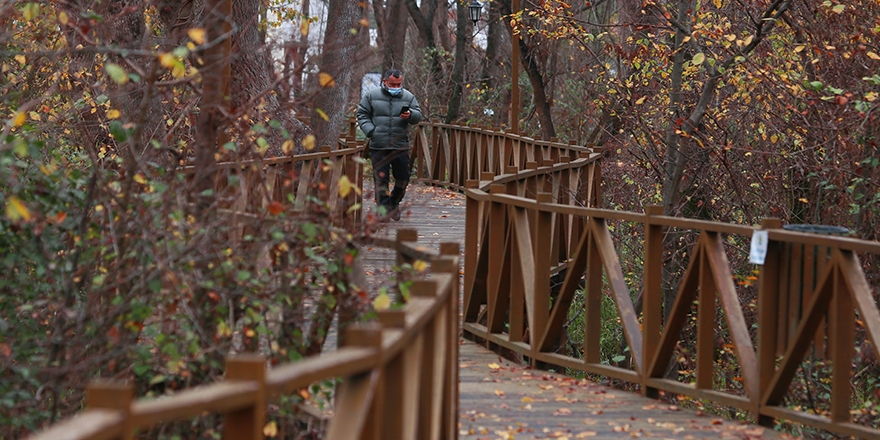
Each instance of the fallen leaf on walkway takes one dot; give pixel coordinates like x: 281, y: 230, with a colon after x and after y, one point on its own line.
x: 499, y: 393
x: 494, y: 366
x: 585, y: 434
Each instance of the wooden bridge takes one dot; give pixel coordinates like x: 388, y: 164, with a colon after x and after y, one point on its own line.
x: 524, y: 262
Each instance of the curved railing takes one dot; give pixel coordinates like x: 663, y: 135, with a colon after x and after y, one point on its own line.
x: 535, y: 241
x: 250, y: 186
x: 402, y: 369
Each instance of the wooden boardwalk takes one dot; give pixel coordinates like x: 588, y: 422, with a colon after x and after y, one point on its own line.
x: 500, y: 399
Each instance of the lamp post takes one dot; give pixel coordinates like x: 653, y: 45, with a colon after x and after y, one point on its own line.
x: 475, y: 9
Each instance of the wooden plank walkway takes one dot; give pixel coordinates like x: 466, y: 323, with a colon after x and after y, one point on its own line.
x: 502, y: 400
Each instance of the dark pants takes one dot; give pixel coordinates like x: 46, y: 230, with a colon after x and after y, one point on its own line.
x: 385, y: 164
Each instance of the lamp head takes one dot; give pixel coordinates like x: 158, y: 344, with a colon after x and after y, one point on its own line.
x: 475, y: 9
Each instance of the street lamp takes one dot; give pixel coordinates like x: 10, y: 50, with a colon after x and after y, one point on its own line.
x: 475, y: 9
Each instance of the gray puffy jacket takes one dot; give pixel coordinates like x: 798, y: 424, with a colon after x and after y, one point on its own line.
x: 378, y: 115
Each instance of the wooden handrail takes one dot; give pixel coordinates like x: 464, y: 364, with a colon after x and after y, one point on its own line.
x: 431, y: 314
x: 519, y: 198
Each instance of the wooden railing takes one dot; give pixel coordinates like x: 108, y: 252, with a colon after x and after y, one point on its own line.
x: 528, y: 226
x: 251, y: 186
x: 398, y: 377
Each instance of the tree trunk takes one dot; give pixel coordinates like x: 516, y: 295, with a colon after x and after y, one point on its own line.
x: 495, y: 64
x: 539, y: 94
x: 460, y: 62
x: 424, y: 19
x: 252, y: 78
x: 340, y: 47
x: 394, y: 37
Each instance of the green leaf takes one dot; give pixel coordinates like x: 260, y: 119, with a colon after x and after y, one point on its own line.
x: 618, y: 358
x: 117, y: 73
x: 698, y: 59
x: 118, y: 131
x: 140, y: 370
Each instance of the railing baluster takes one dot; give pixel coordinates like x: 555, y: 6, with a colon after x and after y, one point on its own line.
x: 116, y: 396
x: 247, y: 423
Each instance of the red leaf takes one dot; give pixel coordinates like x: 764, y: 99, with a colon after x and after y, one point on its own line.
x: 275, y: 208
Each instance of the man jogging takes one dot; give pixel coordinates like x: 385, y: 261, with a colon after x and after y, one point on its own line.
x: 384, y: 115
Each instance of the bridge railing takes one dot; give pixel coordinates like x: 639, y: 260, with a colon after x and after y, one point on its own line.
x: 252, y: 185
x: 529, y: 254
x: 398, y: 377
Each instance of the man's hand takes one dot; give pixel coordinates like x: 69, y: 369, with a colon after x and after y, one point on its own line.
x: 405, y: 115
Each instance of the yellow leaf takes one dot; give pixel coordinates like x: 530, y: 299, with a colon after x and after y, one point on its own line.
x: 717, y: 4
x: 837, y: 9
x: 382, y: 302
x: 322, y: 114
x: 494, y: 366
x: 527, y: 399
x: 63, y: 18
x: 344, y: 186
x: 30, y: 11
x: 309, y: 142
x: 365, y: 23
x: 19, y: 119
x: 223, y: 330
x: 304, y: 28
x: 641, y: 100
x: 698, y: 59
x: 873, y: 55
x: 803, y: 200
x: 139, y: 178
x: 179, y: 70
x: 167, y: 60
x: 271, y: 429
x: 16, y: 210
x: 326, y: 80
x: 287, y: 146
x: 799, y: 48
x: 420, y: 266
x: 198, y: 36
x: 21, y: 59
x: 113, y: 114
x: 499, y: 393
x: 34, y: 116
x: 748, y: 40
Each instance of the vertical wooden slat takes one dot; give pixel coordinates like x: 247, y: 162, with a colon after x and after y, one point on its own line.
x: 497, y: 235
x: 705, y: 320
x: 356, y: 394
x: 115, y: 396
x: 768, y: 303
x: 652, y: 293
x: 841, y: 341
x: 593, y: 299
x: 398, y: 384
x: 541, y: 276
x: 247, y: 423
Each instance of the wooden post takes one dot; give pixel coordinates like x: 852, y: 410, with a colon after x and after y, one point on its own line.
x: 247, y: 423
x: 449, y: 264
x: 116, y: 396
x: 541, y: 255
x: 652, y: 295
x: 768, y: 305
x: 357, y: 416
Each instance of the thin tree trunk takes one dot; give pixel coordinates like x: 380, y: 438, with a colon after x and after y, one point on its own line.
x: 539, y: 93
x: 394, y: 44
x: 460, y: 62
x: 340, y: 47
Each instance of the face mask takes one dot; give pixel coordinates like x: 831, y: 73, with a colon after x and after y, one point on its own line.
x: 395, y: 91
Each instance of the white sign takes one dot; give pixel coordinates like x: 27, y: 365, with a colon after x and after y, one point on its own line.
x: 759, y: 247
x: 370, y: 81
